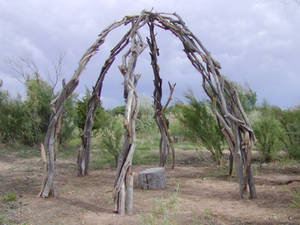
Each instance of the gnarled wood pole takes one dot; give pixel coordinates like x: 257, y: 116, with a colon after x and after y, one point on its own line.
x: 226, y: 106
x: 123, y: 190
x: 165, y: 141
x: 57, y: 105
x: 93, y: 103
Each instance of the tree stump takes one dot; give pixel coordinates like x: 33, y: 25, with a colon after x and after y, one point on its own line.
x: 152, y: 179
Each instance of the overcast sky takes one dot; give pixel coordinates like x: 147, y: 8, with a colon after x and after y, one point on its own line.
x: 257, y: 43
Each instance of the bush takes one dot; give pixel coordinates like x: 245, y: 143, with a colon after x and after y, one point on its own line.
x: 27, y: 121
x: 14, y: 118
x: 268, y: 131
x: 145, y: 123
x: 290, y: 120
x: 100, y: 119
x: 111, y: 137
x: 201, y: 126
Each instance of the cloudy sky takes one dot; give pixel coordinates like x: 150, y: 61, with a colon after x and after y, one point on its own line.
x: 257, y: 43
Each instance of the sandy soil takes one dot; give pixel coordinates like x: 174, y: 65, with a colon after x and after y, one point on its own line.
x: 205, y: 195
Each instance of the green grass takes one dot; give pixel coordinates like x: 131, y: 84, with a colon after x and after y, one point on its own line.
x: 141, y: 157
x: 186, y: 146
x: 144, y: 143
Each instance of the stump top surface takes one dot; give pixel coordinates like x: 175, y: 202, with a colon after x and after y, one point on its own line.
x: 153, y: 170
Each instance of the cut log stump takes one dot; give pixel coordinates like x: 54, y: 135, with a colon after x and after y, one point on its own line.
x: 152, y: 179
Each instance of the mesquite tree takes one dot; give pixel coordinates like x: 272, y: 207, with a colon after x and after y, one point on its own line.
x: 227, y: 107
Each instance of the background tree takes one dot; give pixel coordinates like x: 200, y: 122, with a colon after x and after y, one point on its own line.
x: 81, y: 109
x: 35, y: 109
x: 38, y: 98
x: 118, y: 110
x: 13, y: 118
x: 268, y: 133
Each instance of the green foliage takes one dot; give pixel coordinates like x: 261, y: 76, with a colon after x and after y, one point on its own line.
x: 111, y: 137
x: 141, y: 157
x: 119, y: 110
x: 81, y: 109
x: 268, y: 132
x: 290, y: 120
x: 145, y: 124
x: 201, y: 126
x: 9, y: 197
x: 13, y: 117
x: 26, y: 121
x: 39, y: 96
x: 68, y: 124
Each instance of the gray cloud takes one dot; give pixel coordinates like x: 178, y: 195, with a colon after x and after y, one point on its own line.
x: 257, y: 42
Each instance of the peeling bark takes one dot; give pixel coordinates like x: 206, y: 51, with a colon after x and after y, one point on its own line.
x: 165, y: 141
x: 122, y: 187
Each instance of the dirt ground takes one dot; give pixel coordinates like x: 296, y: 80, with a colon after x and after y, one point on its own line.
x: 204, y: 196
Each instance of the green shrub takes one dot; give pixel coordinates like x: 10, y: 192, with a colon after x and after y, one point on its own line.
x: 111, y: 137
x: 201, y: 126
x: 9, y: 197
x: 290, y: 120
x: 145, y: 124
x: 268, y: 132
x: 100, y: 116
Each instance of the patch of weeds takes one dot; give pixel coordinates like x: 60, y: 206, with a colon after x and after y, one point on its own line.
x: 102, y: 162
x: 219, y: 171
x: 20, y: 151
x: 285, y: 161
x: 147, y: 144
x: 145, y: 158
x: 186, y: 146
x: 5, y: 221
x: 163, y: 212
x: 9, y: 197
x: 295, y: 202
x: 206, y: 218
x: 66, y: 151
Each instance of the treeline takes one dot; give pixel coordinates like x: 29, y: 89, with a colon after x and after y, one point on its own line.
x: 277, y: 131
x: 25, y: 121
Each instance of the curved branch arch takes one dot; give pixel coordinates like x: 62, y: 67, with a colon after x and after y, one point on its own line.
x: 226, y: 105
